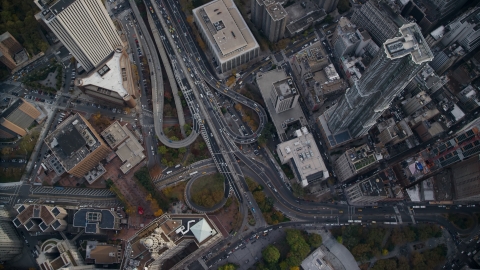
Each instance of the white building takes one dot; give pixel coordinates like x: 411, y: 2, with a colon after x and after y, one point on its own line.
x: 307, y: 160
x: 84, y: 27
x: 226, y: 34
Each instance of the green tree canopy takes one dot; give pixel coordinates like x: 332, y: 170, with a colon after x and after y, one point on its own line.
x: 271, y: 254
x: 228, y: 266
x: 314, y: 240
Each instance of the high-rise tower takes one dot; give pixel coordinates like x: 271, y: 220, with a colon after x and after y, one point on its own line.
x: 270, y: 17
x: 84, y: 27
x: 392, y: 69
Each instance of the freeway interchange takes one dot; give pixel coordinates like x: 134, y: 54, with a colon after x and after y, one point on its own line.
x: 197, y: 82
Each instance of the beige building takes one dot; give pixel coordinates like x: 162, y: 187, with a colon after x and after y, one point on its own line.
x: 9, y: 48
x: 84, y: 27
x: 308, y: 163
x: 355, y: 161
x: 125, y: 145
x: 43, y: 218
x: 11, y: 244
x: 102, y: 253
x: 77, y: 146
x: 17, y: 118
x: 427, y: 130
x: 69, y: 258
x: 167, y: 236
x: 226, y: 34
x: 112, y: 81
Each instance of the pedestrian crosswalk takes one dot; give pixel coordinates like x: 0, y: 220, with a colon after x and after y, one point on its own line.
x: 73, y: 191
x: 7, y: 187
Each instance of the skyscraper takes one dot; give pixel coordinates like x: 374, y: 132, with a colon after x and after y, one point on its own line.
x: 328, y: 5
x: 84, y: 27
x: 378, y: 19
x: 392, y: 69
x: 270, y: 17
x: 465, y: 30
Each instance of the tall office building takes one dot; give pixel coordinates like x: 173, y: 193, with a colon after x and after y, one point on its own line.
x: 378, y: 19
x: 270, y: 17
x: 328, y: 5
x: 465, y: 30
x: 11, y: 244
x: 392, y: 69
x: 447, y: 7
x: 84, y: 27
x: 275, y: 22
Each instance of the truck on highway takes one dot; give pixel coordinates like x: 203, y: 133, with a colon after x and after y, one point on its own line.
x: 193, y: 173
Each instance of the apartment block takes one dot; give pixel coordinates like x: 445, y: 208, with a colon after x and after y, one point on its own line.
x: 9, y: 51
x: 11, y: 245
x: 77, y: 146
x: 42, y: 218
x: 354, y: 161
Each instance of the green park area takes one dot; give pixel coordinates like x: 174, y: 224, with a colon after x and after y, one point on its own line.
x: 208, y: 190
x: 271, y: 215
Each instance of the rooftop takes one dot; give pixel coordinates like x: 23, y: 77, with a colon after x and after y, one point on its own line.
x: 112, y: 75
x: 72, y: 141
x: 265, y: 82
x: 285, y: 88
x: 102, y: 253
x: 312, y: 16
x: 276, y: 11
x: 129, y: 150
x: 304, y: 152
x: 103, y: 218
x: 411, y: 42
x: 228, y: 31
x: 361, y: 156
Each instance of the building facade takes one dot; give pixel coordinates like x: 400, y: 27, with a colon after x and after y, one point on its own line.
x: 392, y: 69
x: 376, y: 17
x: 84, y: 27
x: 226, y: 34
x: 284, y: 95
x: 11, y: 244
x: 77, y: 146
x: 355, y: 161
x: 465, y: 30
x: 275, y: 22
x: 328, y: 5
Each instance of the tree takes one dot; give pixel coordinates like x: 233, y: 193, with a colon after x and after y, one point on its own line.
x: 384, y: 252
x: 182, y: 150
x: 340, y: 239
x: 162, y: 149
x: 158, y: 213
x: 270, y: 254
x: 314, y: 240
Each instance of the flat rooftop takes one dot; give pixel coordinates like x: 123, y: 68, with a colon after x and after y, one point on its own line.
x: 304, y: 152
x: 104, y: 219
x: 226, y: 28
x: 276, y: 11
x: 411, y: 42
x: 114, y: 75
x: 317, y: 15
x: 72, y: 141
x: 128, y: 149
x: 265, y: 82
x: 285, y: 88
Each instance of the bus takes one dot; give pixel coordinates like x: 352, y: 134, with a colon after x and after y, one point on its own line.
x: 193, y: 173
